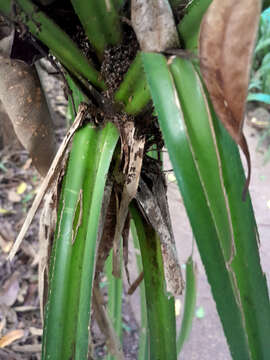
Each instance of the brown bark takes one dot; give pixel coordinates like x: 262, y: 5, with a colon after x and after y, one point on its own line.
x: 7, y: 133
x: 26, y: 106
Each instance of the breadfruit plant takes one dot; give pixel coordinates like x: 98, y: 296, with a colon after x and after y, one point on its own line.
x: 141, y: 75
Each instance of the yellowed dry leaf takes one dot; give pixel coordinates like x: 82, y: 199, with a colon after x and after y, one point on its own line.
x: 227, y: 37
x: 51, y: 177
x: 132, y: 168
x: 10, y: 290
x: 21, y: 188
x: 27, y: 164
x: 5, y: 244
x: 4, y: 211
x: 10, y: 337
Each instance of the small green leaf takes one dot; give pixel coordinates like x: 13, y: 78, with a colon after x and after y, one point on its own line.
x: 265, y: 98
x: 200, y: 313
x: 190, y: 303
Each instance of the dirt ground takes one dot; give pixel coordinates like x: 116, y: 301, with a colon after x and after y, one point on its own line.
x: 20, y: 324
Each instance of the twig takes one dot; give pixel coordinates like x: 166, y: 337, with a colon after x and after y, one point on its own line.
x: 50, y: 177
x: 105, y: 325
x: 135, y: 284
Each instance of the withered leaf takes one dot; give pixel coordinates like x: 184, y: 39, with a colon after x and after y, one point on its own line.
x: 51, y: 179
x: 152, y: 201
x: 227, y: 37
x: 10, y: 290
x: 10, y: 337
x: 46, y: 232
x: 133, y: 151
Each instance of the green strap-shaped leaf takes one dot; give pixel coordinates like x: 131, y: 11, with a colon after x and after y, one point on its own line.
x: 246, y: 264
x: 160, y: 305
x: 55, y: 314
x: 105, y: 149
x: 143, y: 337
x: 246, y: 288
x: 59, y: 43
x: 203, y: 144
x: 170, y: 116
x: 100, y: 21
x: 189, y: 26
x: 78, y: 248
x: 115, y: 287
x: 189, y: 306
x: 73, y: 258
x: 133, y: 92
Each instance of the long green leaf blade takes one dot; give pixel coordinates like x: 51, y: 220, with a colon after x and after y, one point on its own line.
x: 62, y: 250
x: 144, y: 338
x: 189, y: 306
x: 173, y: 128
x: 246, y: 265
x: 202, y: 141
x: 160, y: 306
x: 108, y: 140
x: 44, y: 29
x: 189, y: 26
x: 115, y: 288
x: 78, y: 248
x: 100, y: 21
x: 82, y: 212
x: 133, y: 92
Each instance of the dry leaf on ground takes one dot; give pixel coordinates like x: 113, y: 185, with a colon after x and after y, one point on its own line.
x: 10, y: 290
x: 10, y: 337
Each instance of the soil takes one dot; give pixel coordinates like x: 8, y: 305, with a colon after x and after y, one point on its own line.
x: 19, y: 303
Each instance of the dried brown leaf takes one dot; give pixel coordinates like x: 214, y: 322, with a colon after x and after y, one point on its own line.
x: 46, y: 232
x: 10, y: 337
x: 5, y: 243
x: 133, y: 150
x: 10, y: 290
x: 31, y: 349
x: 227, y: 37
x: 157, y: 216
x: 52, y: 177
x: 153, y: 203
